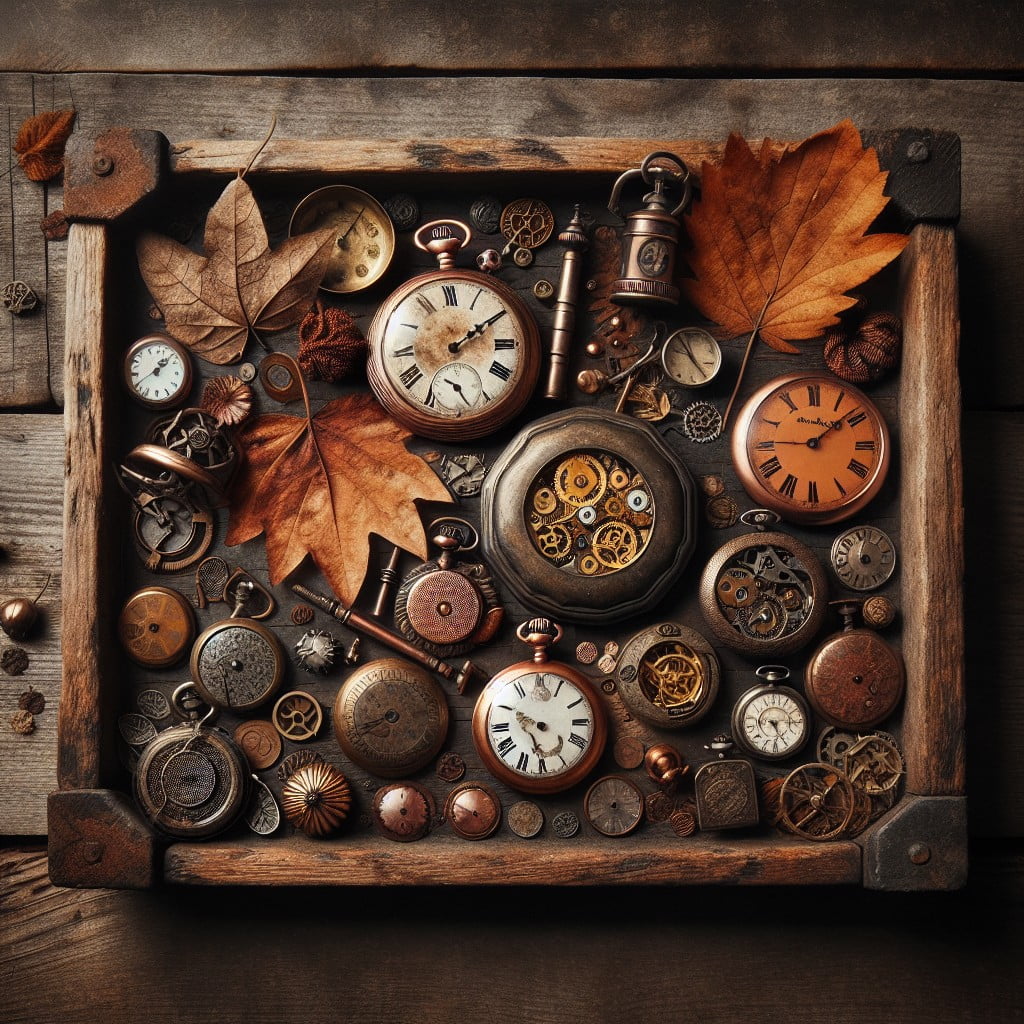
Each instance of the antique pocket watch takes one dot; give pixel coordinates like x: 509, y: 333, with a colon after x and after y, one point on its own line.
x: 668, y: 675
x: 192, y: 780
x: 158, y: 371
x: 764, y: 592
x: 588, y: 515
x: 539, y: 726
x: 454, y: 354
x: 769, y: 721
x: 811, y: 447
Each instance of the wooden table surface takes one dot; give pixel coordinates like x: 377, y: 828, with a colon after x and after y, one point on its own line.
x: 430, y: 70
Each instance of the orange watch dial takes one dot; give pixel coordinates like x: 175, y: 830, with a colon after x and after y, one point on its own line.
x: 811, y: 448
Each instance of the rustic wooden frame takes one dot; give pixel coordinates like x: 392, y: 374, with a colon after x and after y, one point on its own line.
x: 97, y: 840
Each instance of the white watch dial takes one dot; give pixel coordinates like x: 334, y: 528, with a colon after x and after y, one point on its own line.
x: 452, y: 348
x: 157, y: 372
x: 540, y: 724
x: 773, y: 724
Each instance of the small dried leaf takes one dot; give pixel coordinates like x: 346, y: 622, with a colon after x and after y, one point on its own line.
x: 40, y: 143
x: 211, y: 302
x: 321, y: 485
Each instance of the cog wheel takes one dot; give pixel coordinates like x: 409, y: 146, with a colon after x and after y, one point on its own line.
x: 736, y: 588
x: 874, y: 765
x: 544, y: 501
x: 618, y: 478
x: 580, y: 480
x: 615, y: 544
x: 833, y: 744
x: 554, y: 542
x: 817, y: 802
x: 588, y: 565
x: 614, y: 506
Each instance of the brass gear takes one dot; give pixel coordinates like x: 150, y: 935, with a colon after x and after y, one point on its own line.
x: 554, y: 542
x: 580, y: 480
x: 736, y: 588
x: 615, y: 544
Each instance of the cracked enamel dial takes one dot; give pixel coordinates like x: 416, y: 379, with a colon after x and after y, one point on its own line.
x: 811, y: 448
x: 454, y: 354
x: 539, y: 728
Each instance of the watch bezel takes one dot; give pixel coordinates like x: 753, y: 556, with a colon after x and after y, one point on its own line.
x: 746, y: 698
x: 182, y: 394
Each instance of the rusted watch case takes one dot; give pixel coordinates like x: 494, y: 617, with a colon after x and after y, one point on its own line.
x: 237, y: 664
x: 768, y: 597
x: 192, y: 780
x: 508, y: 500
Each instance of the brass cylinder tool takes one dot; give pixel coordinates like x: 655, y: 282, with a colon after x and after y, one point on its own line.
x: 576, y: 243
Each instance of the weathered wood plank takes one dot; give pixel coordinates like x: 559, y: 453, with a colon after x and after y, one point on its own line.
x: 24, y: 352
x: 88, y: 581
x: 30, y: 531
x: 659, y: 36
x: 984, y: 113
x: 453, y: 954
x: 361, y: 861
x: 931, y: 514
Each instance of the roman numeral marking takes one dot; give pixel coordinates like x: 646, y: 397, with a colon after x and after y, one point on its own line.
x: 814, y: 394
x: 770, y: 467
x: 410, y: 375
x: 499, y: 727
x: 561, y: 683
x: 773, y: 423
x: 581, y: 722
x: 858, y: 468
x: 479, y: 292
x: 504, y: 343
x: 579, y: 700
x: 506, y: 745
x: 577, y: 741
x: 519, y: 690
x: 839, y: 401
x: 412, y: 327
x: 451, y: 297
x: 523, y: 763
x: 865, y: 446
x: 784, y: 395
x: 788, y: 487
x: 839, y: 486
x: 766, y: 446
x: 541, y: 765
x: 856, y: 418
x: 426, y: 305
x: 402, y: 353
x: 812, y: 491
x: 500, y: 370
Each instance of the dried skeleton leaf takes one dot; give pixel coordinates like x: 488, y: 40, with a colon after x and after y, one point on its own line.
x: 40, y: 143
x: 320, y: 485
x: 211, y: 302
x: 778, y: 239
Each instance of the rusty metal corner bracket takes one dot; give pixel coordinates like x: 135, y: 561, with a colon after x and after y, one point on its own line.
x: 109, y: 173
x: 924, y: 173
x: 921, y: 846
x: 96, y: 839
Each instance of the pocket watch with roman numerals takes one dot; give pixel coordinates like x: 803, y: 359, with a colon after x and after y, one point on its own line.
x: 454, y: 354
x: 811, y: 448
x: 539, y: 726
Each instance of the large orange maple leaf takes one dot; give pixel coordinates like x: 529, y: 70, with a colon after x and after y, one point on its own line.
x: 320, y: 485
x: 779, y: 238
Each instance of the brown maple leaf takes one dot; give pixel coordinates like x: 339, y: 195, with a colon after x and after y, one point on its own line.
x: 779, y: 238
x: 320, y: 485
x: 40, y: 143
x: 211, y: 302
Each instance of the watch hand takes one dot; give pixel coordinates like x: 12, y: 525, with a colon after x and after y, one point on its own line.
x: 475, y: 331
x: 160, y: 364
x: 358, y: 217
x: 457, y: 388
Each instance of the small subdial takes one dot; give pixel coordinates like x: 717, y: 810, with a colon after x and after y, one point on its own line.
x: 456, y: 388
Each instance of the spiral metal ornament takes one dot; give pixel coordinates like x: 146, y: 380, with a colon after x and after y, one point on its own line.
x: 316, y: 799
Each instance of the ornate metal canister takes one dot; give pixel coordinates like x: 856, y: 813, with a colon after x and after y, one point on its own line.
x: 651, y: 234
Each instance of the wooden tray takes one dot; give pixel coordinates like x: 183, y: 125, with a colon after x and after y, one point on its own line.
x: 97, y: 838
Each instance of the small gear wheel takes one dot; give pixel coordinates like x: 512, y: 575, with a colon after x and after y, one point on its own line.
x: 554, y: 542
x: 702, y: 422
x: 736, y: 588
x: 615, y: 544
x: 580, y: 480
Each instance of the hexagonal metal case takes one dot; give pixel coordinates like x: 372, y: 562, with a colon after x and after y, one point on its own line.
x: 542, y: 585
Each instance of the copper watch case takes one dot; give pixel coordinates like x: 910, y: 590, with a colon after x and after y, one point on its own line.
x: 543, y: 586
x: 553, y: 782
x: 497, y: 413
x: 772, y: 499
x: 729, y: 634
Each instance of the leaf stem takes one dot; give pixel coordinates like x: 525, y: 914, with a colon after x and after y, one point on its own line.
x: 259, y: 149
x: 746, y: 359
x: 255, y: 334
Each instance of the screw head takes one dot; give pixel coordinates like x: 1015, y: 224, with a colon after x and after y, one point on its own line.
x: 919, y: 854
x: 102, y: 165
x: 918, y: 152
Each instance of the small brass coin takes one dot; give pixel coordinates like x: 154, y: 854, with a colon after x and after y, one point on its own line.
x: 260, y: 743
x: 525, y: 818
